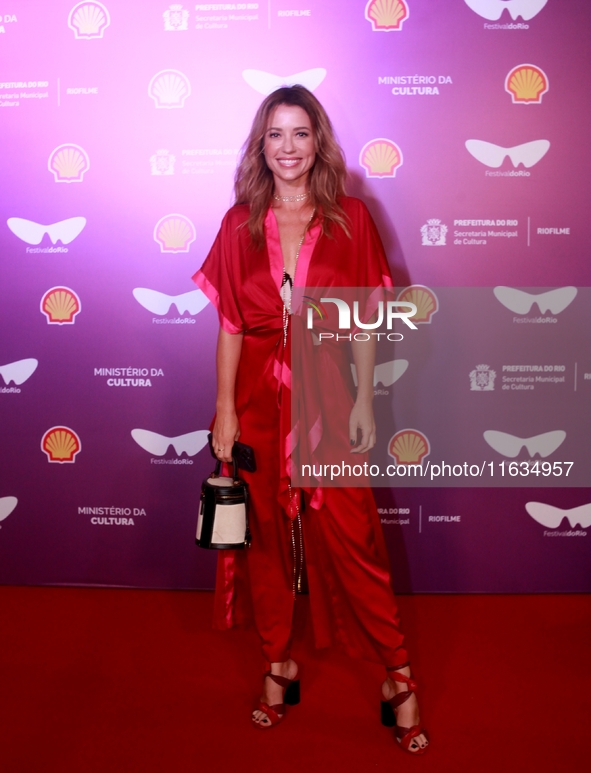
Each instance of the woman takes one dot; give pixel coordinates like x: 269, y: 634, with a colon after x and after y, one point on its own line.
x: 292, y: 223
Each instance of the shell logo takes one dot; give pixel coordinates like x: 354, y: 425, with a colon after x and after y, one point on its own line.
x: 174, y: 233
x: 380, y: 158
x: 386, y: 15
x: 527, y: 84
x: 60, y: 305
x: 169, y: 88
x: 409, y: 446
x: 88, y: 20
x: 68, y: 163
x: 61, y: 444
x: 424, y: 299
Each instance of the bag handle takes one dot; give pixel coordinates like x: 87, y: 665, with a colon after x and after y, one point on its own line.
x: 218, y: 467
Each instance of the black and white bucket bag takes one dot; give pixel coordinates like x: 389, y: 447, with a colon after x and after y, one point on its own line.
x: 223, y: 512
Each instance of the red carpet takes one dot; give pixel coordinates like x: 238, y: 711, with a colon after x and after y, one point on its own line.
x: 123, y: 680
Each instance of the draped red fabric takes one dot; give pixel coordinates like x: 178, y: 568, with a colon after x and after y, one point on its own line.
x: 347, y: 563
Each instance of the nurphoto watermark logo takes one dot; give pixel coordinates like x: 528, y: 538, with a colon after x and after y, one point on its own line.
x: 358, y: 316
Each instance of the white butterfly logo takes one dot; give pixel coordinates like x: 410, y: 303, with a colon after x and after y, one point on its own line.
x: 156, y: 444
x: 30, y: 232
x: 7, y: 505
x: 18, y: 371
x: 521, y: 302
x: 492, y: 9
x: 551, y: 516
x: 491, y: 155
x: 160, y: 303
x: 265, y: 82
x: 386, y: 374
x: 510, y: 446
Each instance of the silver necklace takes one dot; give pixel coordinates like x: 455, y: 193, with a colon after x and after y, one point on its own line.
x: 297, y: 575
x: 298, y: 197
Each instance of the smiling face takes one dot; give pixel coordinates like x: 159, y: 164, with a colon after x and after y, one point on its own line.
x: 289, y: 147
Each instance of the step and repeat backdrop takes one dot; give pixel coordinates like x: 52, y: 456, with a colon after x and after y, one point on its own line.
x: 466, y: 129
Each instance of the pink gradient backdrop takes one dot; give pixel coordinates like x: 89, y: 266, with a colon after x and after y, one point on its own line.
x: 93, y: 92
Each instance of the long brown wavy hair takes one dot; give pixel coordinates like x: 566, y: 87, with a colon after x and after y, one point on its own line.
x: 253, y: 182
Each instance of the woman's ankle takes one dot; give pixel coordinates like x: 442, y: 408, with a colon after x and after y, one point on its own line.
x: 284, y: 668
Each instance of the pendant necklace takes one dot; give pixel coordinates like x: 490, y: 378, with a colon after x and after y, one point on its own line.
x: 286, y: 288
x: 287, y: 284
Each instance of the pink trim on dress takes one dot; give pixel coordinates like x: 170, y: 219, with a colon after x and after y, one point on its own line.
x: 274, y: 248
x: 276, y: 255
x: 315, y: 434
x: 291, y: 441
x: 317, y: 498
x: 282, y: 372
x: 209, y: 290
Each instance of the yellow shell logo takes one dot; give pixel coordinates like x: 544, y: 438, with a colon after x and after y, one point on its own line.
x: 169, y: 89
x: 61, y: 444
x: 527, y: 84
x: 60, y: 305
x: 380, y: 158
x: 424, y: 299
x: 386, y: 15
x: 174, y: 233
x: 68, y: 163
x: 409, y: 446
x: 88, y: 20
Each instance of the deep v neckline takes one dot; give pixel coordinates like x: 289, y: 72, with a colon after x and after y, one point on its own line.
x: 276, y: 254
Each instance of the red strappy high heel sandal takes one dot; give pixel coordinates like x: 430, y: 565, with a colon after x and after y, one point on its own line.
x: 276, y: 712
x: 404, y: 735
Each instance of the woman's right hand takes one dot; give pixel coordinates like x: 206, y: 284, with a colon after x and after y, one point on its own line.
x: 225, y: 431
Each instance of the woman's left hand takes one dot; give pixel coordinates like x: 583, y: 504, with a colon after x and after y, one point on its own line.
x: 362, y: 421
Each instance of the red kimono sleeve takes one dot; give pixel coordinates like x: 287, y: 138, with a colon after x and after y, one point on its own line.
x: 372, y: 265
x: 218, y: 274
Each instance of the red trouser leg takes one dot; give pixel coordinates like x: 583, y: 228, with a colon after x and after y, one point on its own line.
x: 270, y: 570
x: 257, y: 583
x: 349, y: 577
x: 351, y: 599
